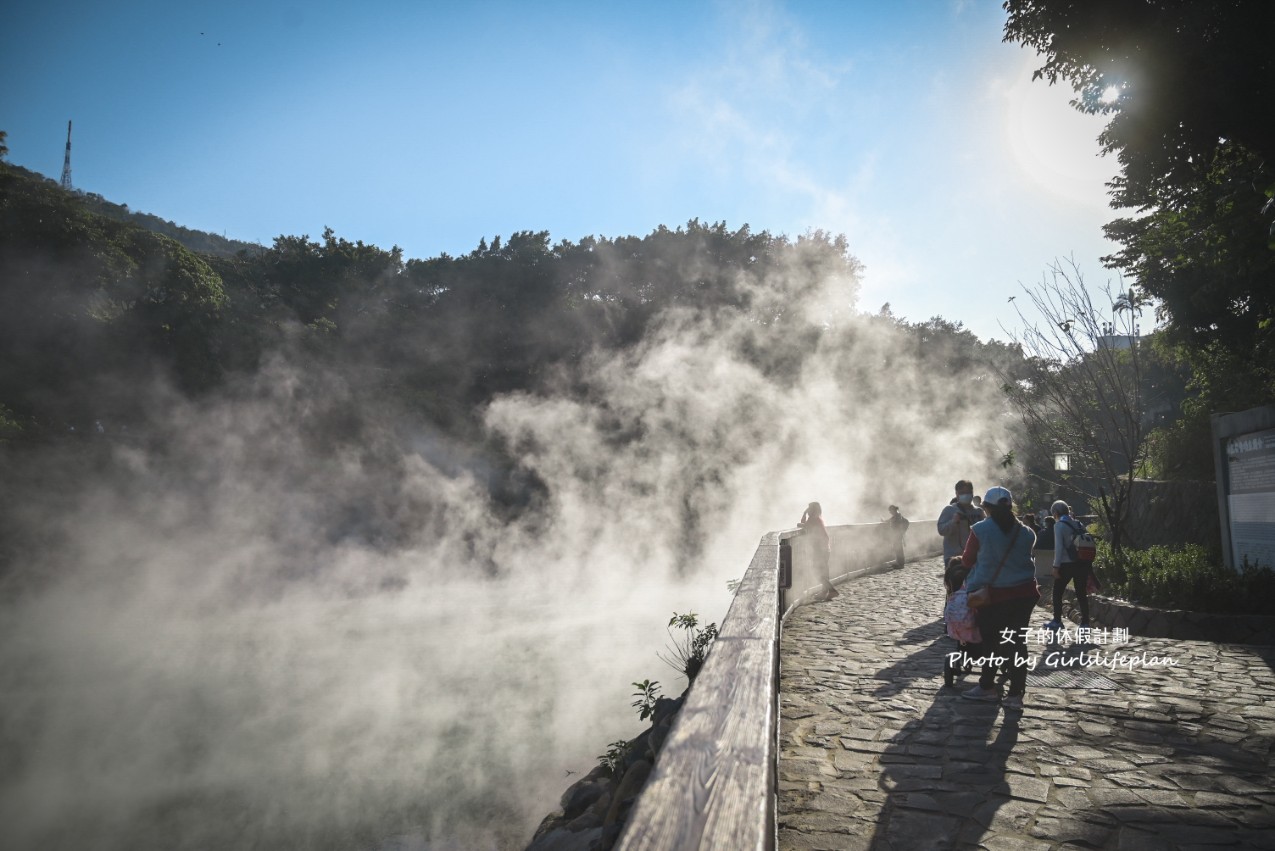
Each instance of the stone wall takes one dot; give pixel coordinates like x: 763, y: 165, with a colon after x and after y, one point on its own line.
x: 593, y: 810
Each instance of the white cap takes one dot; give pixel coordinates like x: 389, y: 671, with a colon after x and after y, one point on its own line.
x: 997, y: 495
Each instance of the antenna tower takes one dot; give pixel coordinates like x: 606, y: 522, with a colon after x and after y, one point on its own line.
x: 66, y: 163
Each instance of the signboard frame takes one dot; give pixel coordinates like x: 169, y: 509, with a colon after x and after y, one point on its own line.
x: 1244, y: 459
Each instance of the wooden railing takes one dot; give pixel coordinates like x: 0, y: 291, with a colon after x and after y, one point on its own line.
x: 714, y: 784
x: 857, y: 551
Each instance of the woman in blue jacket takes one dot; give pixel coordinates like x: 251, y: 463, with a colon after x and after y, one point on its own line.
x: 1000, y: 550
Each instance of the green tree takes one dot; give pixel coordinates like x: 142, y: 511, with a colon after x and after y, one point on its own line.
x: 1176, y: 76
x: 1202, y: 252
x: 1186, y: 84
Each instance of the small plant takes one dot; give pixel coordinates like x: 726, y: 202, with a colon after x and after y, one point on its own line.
x: 647, y: 693
x: 689, y: 650
x: 616, y: 752
x: 732, y: 585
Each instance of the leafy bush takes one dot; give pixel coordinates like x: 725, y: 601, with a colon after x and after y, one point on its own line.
x: 1189, y: 578
x: 688, y: 652
x: 616, y: 752
x: 647, y: 693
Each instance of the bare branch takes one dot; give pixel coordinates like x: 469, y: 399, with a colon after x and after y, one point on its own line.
x: 1083, y: 393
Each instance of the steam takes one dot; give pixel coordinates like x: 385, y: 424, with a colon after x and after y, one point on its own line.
x: 225, y: 638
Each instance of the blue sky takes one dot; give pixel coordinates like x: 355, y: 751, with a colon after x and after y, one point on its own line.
x: 907, y: 126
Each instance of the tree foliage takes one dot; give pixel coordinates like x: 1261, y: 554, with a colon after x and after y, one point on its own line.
x: 91, y: 303
x: 98, y: 319
x: 198, y: 241
x: 1176, y: 76
x: 1186, y: 84
x: 1203, y: 253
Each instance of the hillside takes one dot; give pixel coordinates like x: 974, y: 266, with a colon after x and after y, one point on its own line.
x: 96, y: 302
x: 106, y: 327
x: 195, y: 240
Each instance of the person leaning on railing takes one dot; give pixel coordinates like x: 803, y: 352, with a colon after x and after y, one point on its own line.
x: 812, y: 522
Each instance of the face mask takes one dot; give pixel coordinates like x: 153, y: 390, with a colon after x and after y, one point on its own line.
x: 965, y: 498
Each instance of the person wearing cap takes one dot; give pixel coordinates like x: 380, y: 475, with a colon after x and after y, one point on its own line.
x: 1067, y: 565
x: 956, y: 518
x: 999, y: 555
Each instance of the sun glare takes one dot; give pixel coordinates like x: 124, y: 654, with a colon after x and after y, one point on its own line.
x: 1054, y: 145
x: 1110, y: 94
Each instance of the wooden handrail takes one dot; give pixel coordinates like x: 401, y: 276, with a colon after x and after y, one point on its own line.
x: 713, y: 786
x: 714, y: 783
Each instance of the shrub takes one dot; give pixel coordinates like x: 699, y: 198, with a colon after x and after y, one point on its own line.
x: 688, y: 651
x: 1187, y: 578
x: 616, y: 752
x: 647, y: 693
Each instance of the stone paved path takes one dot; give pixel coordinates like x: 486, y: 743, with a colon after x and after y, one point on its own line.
x: 877, y: 754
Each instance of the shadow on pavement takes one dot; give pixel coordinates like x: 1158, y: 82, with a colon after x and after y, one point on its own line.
x: 944, y: 779
x: 1157, y: 758
x: 1137, y: 767
x: 1092, y: 768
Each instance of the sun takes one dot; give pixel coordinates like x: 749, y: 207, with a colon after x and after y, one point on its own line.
x: 1110, y: 95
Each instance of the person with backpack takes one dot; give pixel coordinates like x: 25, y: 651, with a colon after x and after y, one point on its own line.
x: 1073, y: 562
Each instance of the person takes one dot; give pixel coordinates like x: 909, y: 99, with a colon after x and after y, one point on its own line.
x: 998, y: 554
x: 1067, y: 565
x: 956, y: 518
x: 898, y: 527
x: 1046, y: 541
x: 977, y: 502
x: 1041, y: 559
x: 812, y: 522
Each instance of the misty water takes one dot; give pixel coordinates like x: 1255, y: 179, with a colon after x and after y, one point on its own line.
x: 211, y: 639
x: 451, y: 713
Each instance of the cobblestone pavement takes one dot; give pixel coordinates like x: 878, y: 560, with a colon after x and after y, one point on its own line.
x: 876, y: 753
